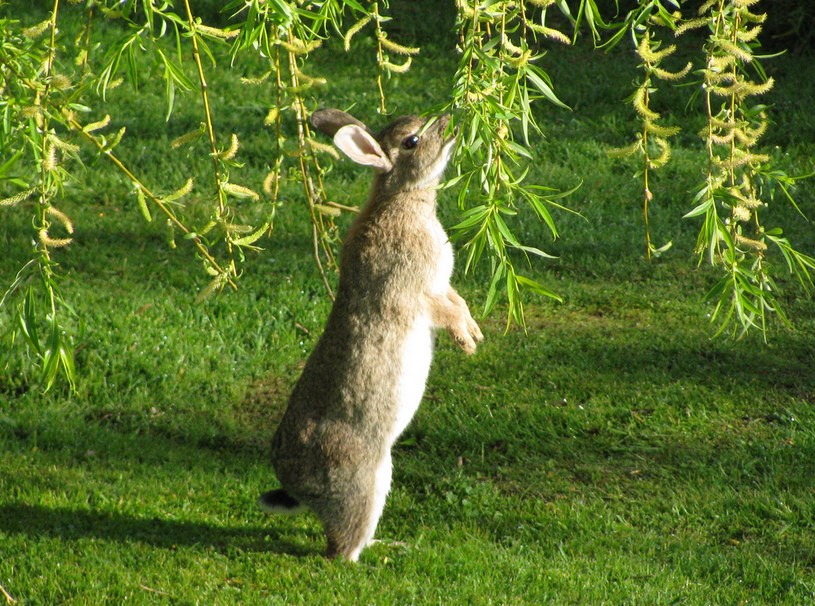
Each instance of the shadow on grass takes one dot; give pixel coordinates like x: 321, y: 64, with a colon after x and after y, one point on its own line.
x: 75, y: 524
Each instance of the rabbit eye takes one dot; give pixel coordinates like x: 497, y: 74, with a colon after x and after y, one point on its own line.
x: 411, y: 142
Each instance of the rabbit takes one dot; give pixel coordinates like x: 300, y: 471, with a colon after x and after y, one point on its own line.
x: 366, y: 376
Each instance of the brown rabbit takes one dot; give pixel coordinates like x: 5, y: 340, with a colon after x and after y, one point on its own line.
x: 366, y: 376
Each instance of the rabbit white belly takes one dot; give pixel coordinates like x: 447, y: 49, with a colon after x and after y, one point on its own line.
x: 417, y: 352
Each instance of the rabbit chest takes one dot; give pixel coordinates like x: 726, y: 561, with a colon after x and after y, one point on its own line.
x: 417, y: 349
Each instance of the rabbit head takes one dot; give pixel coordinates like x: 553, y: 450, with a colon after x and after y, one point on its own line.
x: 410, y: 153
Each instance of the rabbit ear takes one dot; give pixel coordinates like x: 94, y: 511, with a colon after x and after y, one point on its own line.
x: 329, y: 121
x: 359, y: 145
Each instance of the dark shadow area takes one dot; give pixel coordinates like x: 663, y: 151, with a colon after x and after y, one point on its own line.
x: 638, y: 347
x: 75, y: 524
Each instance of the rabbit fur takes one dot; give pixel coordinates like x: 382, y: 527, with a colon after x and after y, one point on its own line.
x: 366, y: 376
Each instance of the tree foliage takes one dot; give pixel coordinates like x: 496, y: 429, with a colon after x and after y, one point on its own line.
x: 54, y: 93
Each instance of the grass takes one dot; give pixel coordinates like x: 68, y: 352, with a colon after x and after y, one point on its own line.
x: 612, y: 454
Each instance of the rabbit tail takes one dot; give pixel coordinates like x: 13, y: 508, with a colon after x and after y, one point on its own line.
x: 279, y: 501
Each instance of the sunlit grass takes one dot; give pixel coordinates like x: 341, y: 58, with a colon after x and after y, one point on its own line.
x: 611, y: 454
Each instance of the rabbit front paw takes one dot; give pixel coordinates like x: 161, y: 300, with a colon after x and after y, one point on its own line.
x: 474, y: 330
x: 464, y: 337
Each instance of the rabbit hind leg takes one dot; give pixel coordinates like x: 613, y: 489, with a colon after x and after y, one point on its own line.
x: 351, y: 527
x: 347, y: 530
x: 382, y: 486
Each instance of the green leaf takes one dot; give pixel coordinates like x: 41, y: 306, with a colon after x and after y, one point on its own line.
x: 535, y: 251
x: 540, y: 84
x: 498, y: 273
x: 27, y: 320
x: 471, y: 217
x: 538, y: 288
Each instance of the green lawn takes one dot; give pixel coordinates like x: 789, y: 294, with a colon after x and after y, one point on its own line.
x: 611, y: 454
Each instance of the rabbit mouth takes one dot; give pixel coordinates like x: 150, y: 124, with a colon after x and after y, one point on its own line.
x: 449, y: 143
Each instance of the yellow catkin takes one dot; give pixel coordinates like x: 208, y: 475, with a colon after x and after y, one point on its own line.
x: 354, y: 30
x: 734, y: 49
x: 398, y: 69
x: 60, y: 82
x: 659, y: 130
x: 752, y: 18
x: 239, y: 191
x: 625, y: 152
x: 550, y: 33
x: 689, y: 25
x: 519, y: 62
x: 62, y: 218
x: 649, y: 54
x: 706, y: 6
x: 664, y: 153
x: 720, y: 63
x: 508, y: 45
x: 399, y: 49
x: 180, y: 192
x: 214, y: 32
x: 310, y: 80
x: 18, y: 197
x: 271, y: 117
x: 713, y: 78
x: 270, y: 182
x: 89, y: 128
x: 750, y: 243
x: 319, y: 147
x: 719, y: 139
x: 115, y: 139
x: 749, y: 136
x: 748, y: 35
x: 50, y: 242
x: 49, y: 162
x: 743, y: 88
x: 255, y: 81
x: 672, y: 76
x: 35, y: 31
x: 187, y: 138
x: 34, y: 112
x: 216, y: 285
x: 742, y: 158
x: 748, y: 201
x: 232, y: 150
x: 329, y: 211
x: 299, y: 47
x: 145, y: 211
x: 742, y: 214
x: 640, y: 107
x: 63, y: 145
x: 234, y: 228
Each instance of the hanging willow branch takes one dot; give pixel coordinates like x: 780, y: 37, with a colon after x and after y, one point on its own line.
x: 733, y: 236
x: 653, y: 140
x: 497, y: 80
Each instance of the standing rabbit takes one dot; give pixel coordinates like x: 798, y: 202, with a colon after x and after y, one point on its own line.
x: 364, y: 381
